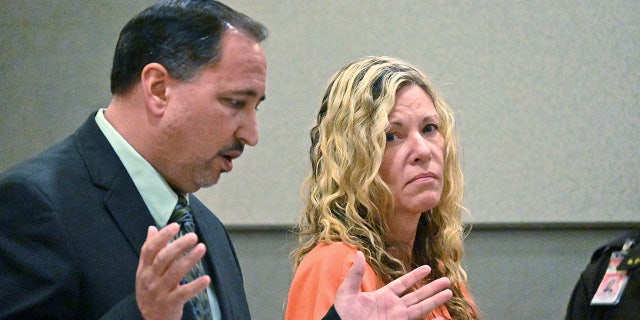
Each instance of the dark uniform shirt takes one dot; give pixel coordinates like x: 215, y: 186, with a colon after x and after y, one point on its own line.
x: 580, y: 307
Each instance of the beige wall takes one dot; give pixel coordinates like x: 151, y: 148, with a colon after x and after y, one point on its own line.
x: 546, y: 94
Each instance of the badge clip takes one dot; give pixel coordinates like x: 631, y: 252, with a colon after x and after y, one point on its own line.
x: 614, y: 281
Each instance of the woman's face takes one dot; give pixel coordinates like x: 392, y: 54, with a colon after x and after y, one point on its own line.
x: 413, y: 161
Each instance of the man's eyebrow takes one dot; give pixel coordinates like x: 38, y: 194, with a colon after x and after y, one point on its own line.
x: 249, y: 93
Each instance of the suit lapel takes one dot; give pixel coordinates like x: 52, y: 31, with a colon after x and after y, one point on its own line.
x: 225, y: 271
x: 122, y: 200
x: 125, y: 205
x: 129, y: 211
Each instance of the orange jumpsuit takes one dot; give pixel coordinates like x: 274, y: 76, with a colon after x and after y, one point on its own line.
x: 317, y: 278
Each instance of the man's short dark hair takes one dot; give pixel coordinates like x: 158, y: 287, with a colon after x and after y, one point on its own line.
x: 182, y: 35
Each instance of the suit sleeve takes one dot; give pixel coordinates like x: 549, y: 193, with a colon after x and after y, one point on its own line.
x: 37, y: 261
x: 36, y: 271
x: 332, y: 314
x: 127, y: 308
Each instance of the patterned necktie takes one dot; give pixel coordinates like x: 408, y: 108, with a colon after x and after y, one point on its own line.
x: 182, y: 215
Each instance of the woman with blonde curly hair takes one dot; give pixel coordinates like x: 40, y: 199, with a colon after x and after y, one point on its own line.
x: 385, y: 180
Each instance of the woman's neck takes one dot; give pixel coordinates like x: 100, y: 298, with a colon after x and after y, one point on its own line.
x: 402, y: 233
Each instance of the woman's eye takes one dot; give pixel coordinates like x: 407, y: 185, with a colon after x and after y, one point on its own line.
x: 430, y: 128
x: 390, y: 137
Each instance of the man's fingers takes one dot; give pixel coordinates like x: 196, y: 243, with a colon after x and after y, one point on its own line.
x: 163, y: 264
x: 351, y: 284
x: 166, y: 261
x: 405, y: 282
x: 156, y: 241
x: 183, y: 263
x: 174, y: 251
x: 187, y: 291
x: 146, y: 257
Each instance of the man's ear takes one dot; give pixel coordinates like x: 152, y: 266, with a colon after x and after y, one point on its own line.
x: 154, y: 79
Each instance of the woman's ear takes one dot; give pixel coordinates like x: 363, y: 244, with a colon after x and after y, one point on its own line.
x: 154, y: 79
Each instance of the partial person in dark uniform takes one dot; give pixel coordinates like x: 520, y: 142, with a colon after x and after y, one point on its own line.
x: 616, y: 263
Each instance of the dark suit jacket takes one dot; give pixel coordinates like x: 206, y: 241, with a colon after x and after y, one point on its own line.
x: 71, y: 227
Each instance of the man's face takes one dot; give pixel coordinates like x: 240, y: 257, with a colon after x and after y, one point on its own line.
x: 211, y: 117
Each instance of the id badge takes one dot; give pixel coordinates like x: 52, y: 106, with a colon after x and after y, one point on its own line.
x: 613, y: 283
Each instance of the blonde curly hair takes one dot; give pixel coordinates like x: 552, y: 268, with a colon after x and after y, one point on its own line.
x: 346, y: 200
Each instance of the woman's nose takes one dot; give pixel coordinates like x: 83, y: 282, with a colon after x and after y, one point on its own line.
x: 421, y: 149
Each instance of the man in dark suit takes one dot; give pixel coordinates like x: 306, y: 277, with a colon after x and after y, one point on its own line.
x: 86, y: 227
x: 186, y: 80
